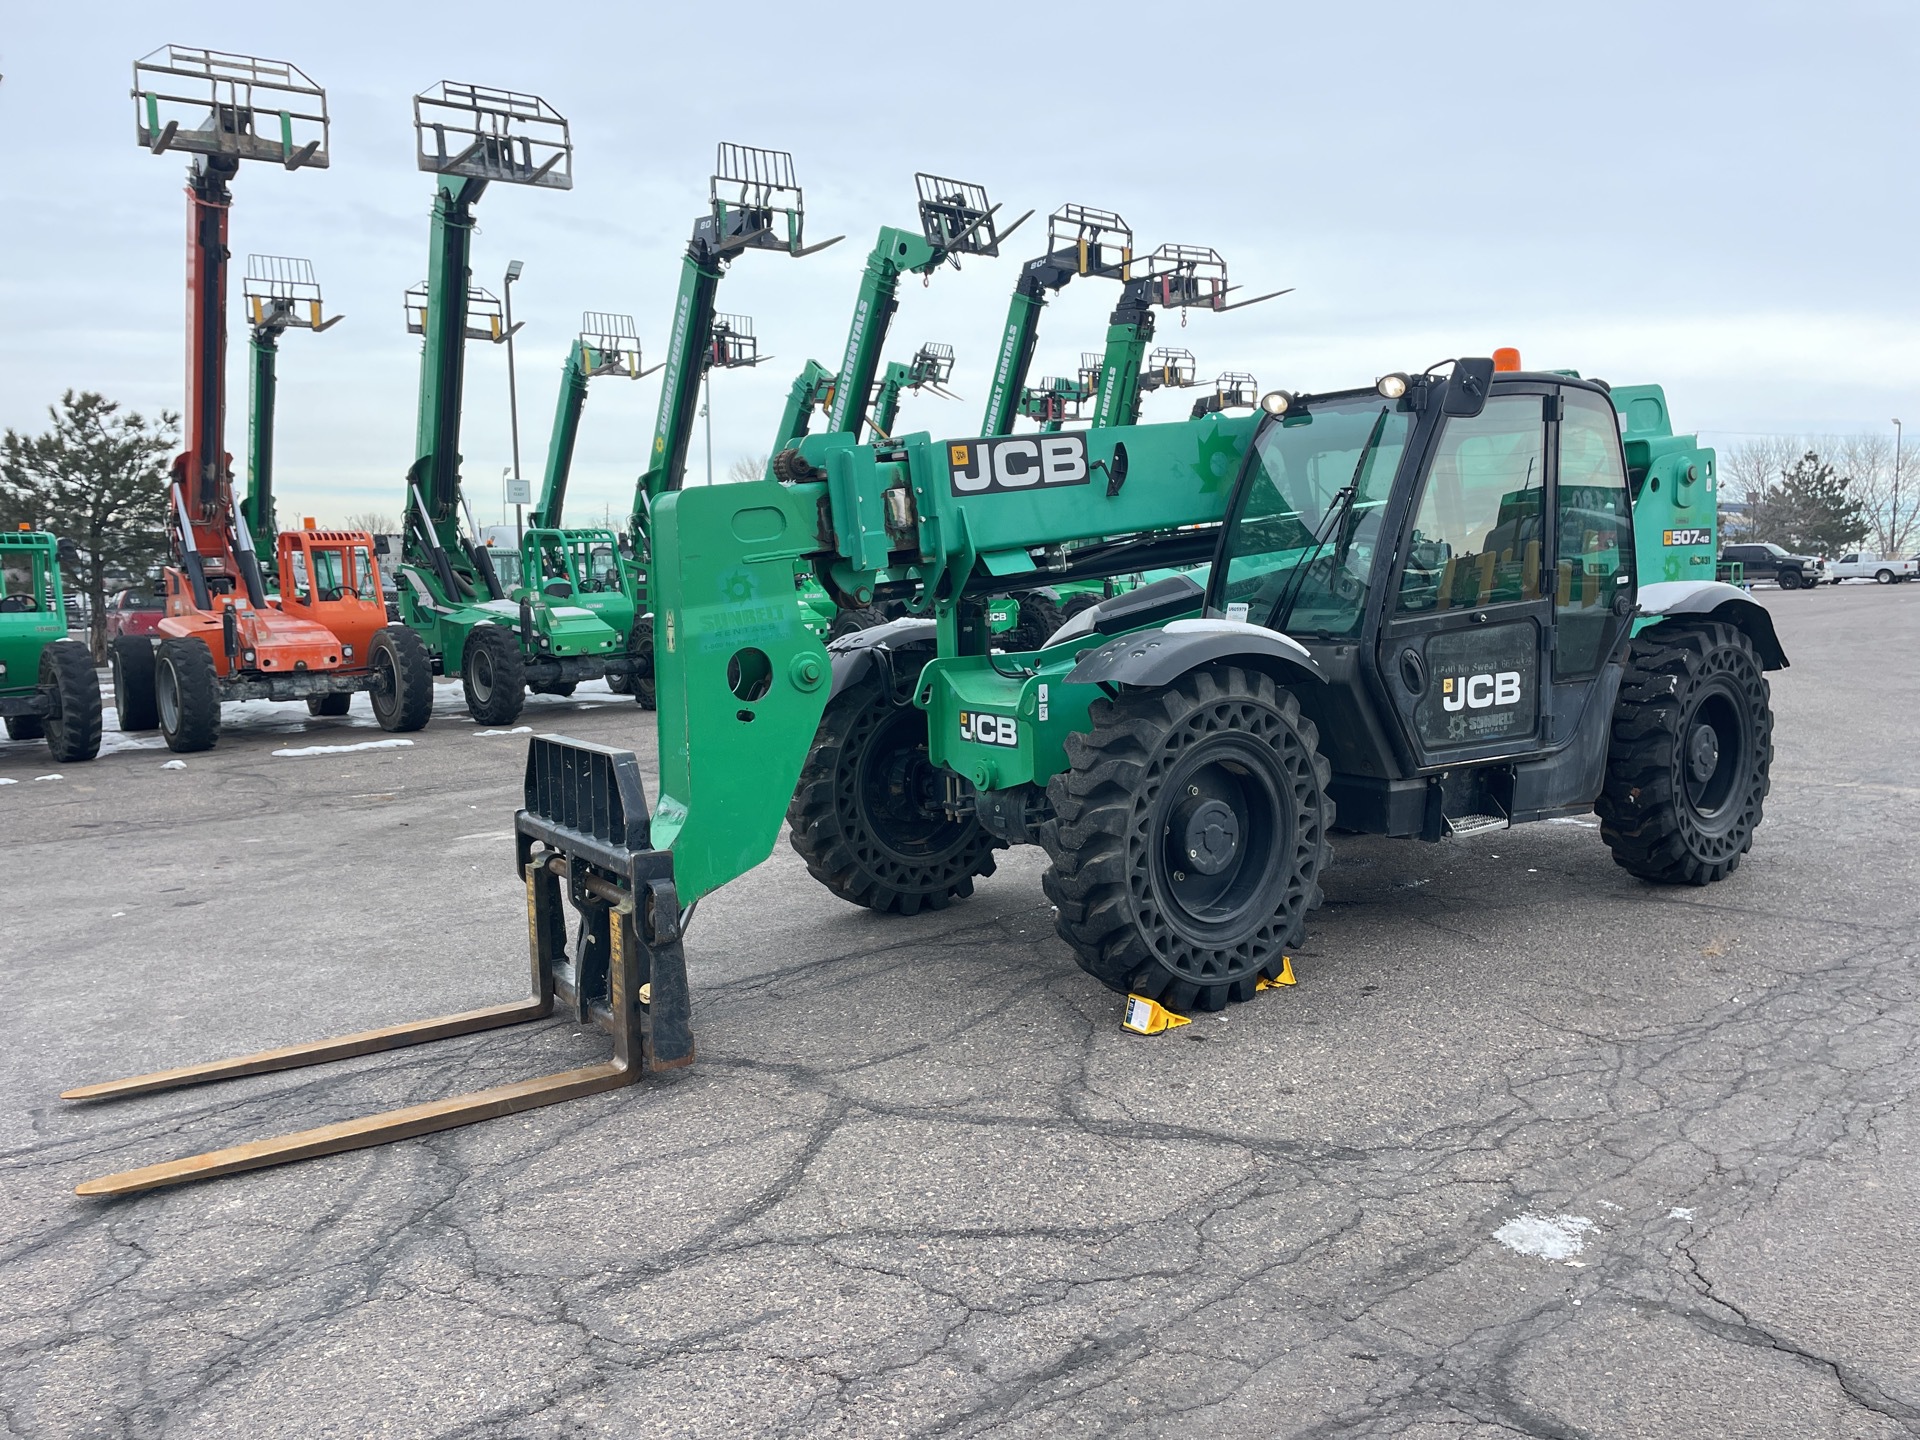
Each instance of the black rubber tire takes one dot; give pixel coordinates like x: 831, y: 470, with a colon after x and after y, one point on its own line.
x: 26, y: 727
x: 1662, y: 817
x: 619, y: 682
x: 865, y: 815
x: 1237, y: 743
x: 494, y: 677
x: 852, y: 622
x: 73, y: 729
x: 640, y: 646
x: 132, y: 661
x: 1789, y: 579
x: 187, y: 693
x: 1883, y: 577
x: 1040, y: 615
x: 400, y: 655
x: 1078, y: 601
x: 330, y: 706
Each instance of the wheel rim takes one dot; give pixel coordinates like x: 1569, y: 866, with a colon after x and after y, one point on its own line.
x: 386, y: 689
x: 1716, y: 756
x: 166, y: 691
x: 897, y: 791
x: 1220, y: 822
x: 481, y: 668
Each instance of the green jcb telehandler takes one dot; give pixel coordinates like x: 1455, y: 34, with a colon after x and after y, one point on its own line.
x: 1436, y: 605
x: 451, y: 596
x: 48, y: 688
x: 584, y: 564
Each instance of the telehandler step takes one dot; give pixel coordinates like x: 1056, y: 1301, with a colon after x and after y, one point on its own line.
x: 586, y: 823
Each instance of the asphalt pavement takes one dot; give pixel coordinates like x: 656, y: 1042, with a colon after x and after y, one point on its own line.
x: 1532, y: 1148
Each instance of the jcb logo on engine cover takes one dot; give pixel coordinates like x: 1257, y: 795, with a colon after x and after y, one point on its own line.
x: 1028, y: 462
x: 985, y: 729
x: 1481, y: 692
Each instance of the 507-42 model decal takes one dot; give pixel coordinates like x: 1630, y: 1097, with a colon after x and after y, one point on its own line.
x: 1025, y: 462
x: 1686, y: 537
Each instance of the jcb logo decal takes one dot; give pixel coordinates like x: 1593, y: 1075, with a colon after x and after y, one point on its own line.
x: 1481, y: 692
x: 1030, y: 462
x: 985, y: 729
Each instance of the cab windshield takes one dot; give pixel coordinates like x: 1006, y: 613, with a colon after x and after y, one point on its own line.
x: 1301, y: 540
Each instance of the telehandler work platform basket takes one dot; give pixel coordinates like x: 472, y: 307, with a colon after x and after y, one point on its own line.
x: 582, y: 835
x: 209, y: 102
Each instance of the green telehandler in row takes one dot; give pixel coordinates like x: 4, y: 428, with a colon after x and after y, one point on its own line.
x: 582, y: 563
x: 539, y: 636
x: 48, y: 688
x: 1439, y: 605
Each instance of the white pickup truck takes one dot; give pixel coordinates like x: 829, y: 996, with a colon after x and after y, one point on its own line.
x: 1864, y: 565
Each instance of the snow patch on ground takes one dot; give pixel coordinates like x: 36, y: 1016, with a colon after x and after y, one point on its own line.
x: 304, y: 750
x: 1551, y: 1237
x: 1679, y: 1212
x: 516, y: 730
x: 174, y: 765
x: 49, y: 777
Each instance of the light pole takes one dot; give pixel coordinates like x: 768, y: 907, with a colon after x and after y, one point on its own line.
x: 1893, y: 529
x: 513, y: 403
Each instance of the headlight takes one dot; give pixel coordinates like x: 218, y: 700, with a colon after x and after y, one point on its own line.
x: 1391, y: 387
x: 1275, y: 402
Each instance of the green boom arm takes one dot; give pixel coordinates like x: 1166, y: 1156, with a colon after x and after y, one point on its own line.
x: 1080, y: 241
x: 814, y: 381
x: 566, y: 430
x: 433, y: 540
x: 263, y: 350
x: 895, y: 253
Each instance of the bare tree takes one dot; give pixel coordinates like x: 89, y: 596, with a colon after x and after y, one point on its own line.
x: 1750, y: 479
x: 747, y: 467
x: 1891, y: 497
x: 377, y: 522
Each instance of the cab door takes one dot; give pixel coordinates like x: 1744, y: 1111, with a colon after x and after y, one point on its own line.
x: 1464, y: 644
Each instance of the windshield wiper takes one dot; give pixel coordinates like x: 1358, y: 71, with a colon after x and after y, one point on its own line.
x: 1337, y: 511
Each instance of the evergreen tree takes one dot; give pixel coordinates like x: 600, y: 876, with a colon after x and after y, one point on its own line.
x: 1814, y: 509
x: 98, y: 478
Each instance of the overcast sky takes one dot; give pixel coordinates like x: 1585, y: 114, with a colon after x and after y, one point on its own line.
x: 1718, y: 197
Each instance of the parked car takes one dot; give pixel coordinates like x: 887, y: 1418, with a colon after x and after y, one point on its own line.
x: 1770, y: 562
x: 133, y: 612
x: 1865, y: 565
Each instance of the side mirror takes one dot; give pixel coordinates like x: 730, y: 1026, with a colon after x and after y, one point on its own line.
x: 1467, y: 386
x: 67, y: 552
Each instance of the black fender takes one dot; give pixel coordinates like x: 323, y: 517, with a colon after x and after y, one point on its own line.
x: 855, y: 655
x: 1162, y: 655
x: 1717, y: 600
